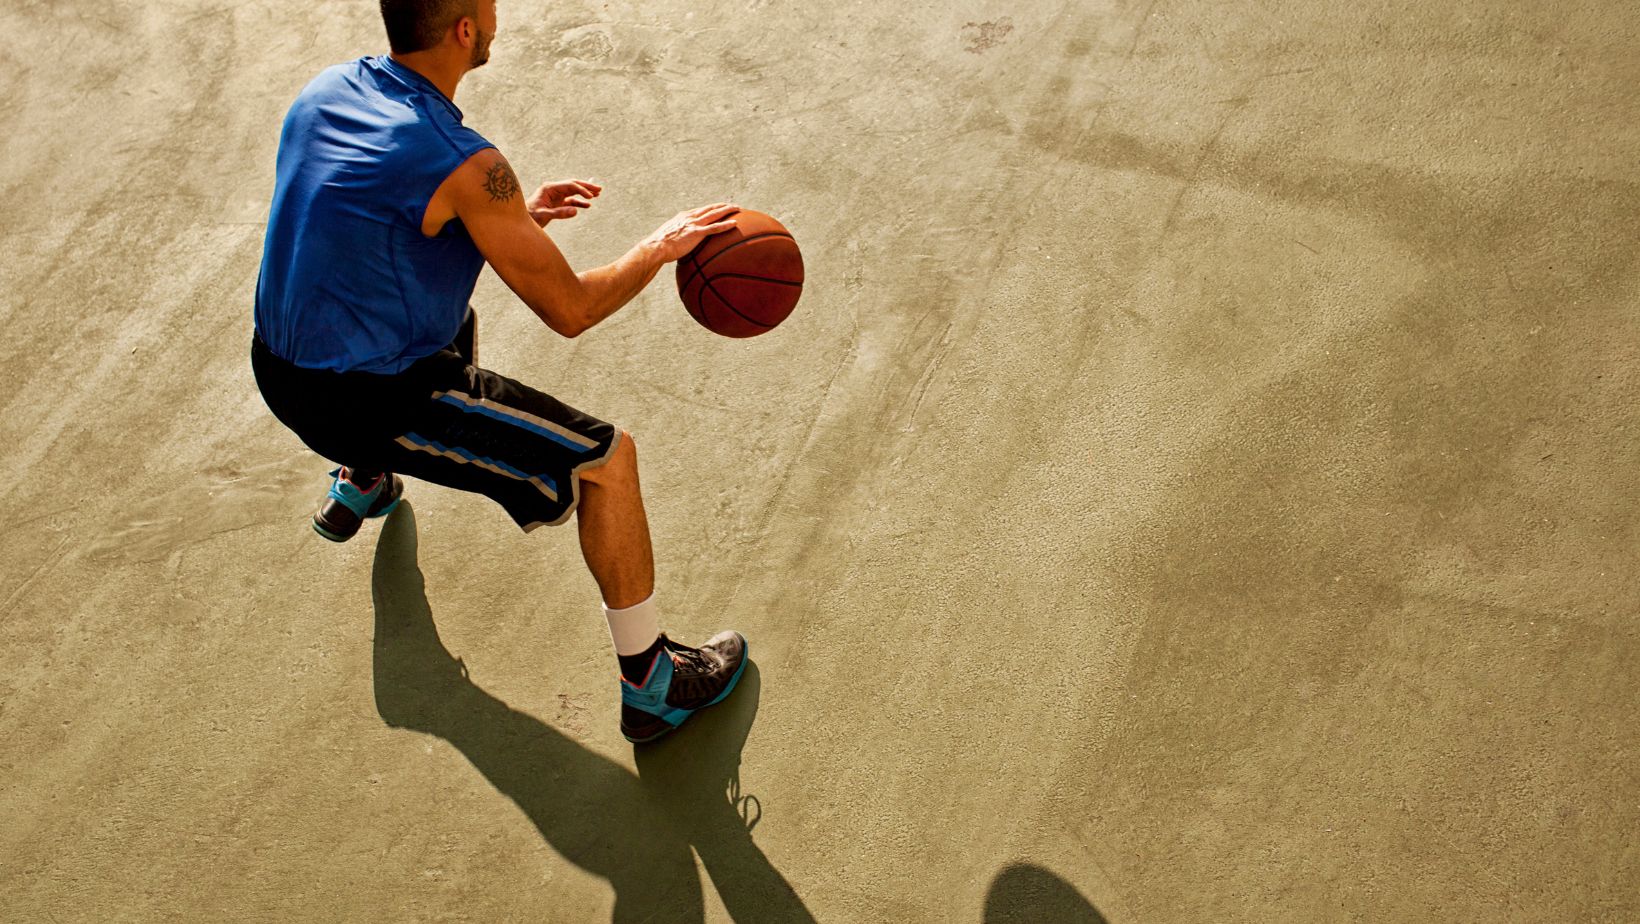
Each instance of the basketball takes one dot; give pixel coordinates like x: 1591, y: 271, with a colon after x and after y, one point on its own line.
x: 744, y: 281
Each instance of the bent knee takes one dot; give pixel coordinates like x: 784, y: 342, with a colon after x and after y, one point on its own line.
x: 621, y: 464
x: 626, y: 450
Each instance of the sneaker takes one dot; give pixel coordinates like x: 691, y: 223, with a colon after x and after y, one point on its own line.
x: 681, y: 681
x: 348, y: 505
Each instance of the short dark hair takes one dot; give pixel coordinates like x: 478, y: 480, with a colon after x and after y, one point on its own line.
x: 417, y: 25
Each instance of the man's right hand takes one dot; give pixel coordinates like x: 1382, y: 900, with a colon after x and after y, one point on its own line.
x: 686, y: 230
x: 484, y: 193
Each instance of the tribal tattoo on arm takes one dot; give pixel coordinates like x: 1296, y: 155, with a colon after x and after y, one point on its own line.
x: 500, y: 181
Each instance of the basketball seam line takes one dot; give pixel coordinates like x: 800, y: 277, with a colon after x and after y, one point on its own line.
x: 730, y: 305
x: 700, y: 268
x: 778, y: 282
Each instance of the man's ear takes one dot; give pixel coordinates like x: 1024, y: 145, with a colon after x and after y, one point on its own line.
x: 466, y: 32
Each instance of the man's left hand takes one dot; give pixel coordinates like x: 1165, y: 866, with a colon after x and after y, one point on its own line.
x: 563, y: 199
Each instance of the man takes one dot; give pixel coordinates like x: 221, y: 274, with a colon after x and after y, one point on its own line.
x: 385, y: 209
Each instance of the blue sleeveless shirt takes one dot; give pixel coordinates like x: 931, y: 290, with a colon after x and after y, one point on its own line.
x: 348, y: 281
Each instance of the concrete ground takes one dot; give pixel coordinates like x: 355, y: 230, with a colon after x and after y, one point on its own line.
x: 1198, y: 484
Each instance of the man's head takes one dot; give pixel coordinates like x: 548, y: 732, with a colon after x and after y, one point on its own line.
x: 425, y: 25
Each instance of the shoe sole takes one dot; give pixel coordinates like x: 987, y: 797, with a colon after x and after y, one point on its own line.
x: 333, y: 537
x: 319, y: 528
x: 745, y: 658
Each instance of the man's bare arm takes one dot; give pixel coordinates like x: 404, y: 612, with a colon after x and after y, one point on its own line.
x: 484, y: 193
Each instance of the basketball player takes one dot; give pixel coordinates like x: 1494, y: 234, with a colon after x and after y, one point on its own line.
x: 385, y: 209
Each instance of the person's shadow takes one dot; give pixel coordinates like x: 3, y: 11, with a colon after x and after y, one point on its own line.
x: 1023, y: 893
x: 634, y: 831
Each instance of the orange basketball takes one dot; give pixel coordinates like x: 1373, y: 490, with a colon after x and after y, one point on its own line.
x: 744, y: 281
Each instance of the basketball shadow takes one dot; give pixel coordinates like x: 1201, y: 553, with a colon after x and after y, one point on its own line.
x: 636, y: 831
x: 1026, y: 894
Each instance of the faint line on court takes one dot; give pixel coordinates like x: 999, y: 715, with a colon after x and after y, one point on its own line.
x: 927, y: 378
x: 38, y: 516
x: 1236, y: 103
x: 1139, y: 30
x: 51, y: 559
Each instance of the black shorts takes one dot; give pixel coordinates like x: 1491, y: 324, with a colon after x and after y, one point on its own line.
x: 447, y: 421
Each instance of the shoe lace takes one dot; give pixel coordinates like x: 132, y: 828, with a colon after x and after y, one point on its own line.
x: 690, y: 659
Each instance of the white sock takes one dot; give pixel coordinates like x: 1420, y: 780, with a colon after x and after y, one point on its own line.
x: 635, y: 628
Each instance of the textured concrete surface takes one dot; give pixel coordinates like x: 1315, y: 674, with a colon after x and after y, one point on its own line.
x: 1198, y: 484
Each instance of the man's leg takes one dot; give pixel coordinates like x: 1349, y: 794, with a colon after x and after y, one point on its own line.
x: 664, y: 682
x: 614, y: 530
x: 359, y: 492
x: 310, y: 402
x: 539, y: 459
x: 615, y: 543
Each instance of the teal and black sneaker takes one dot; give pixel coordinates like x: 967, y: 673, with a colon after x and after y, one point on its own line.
x: 348, y: 505
x: 681, y: 681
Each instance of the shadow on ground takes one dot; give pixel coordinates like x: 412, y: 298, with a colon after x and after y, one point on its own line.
x: 1025, y: 894
x: 636, y: 831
